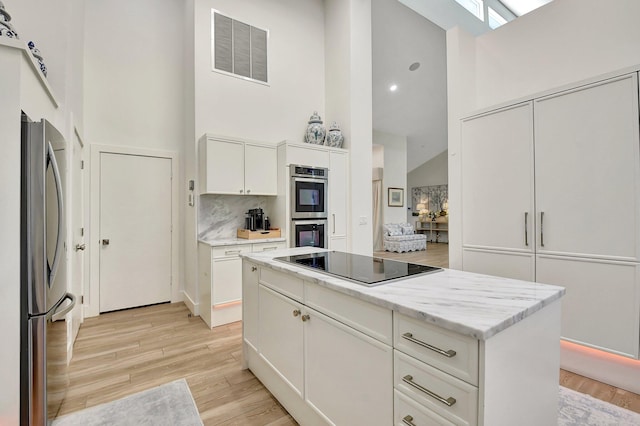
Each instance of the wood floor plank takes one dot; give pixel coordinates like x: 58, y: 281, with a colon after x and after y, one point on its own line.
x: 125, y: 352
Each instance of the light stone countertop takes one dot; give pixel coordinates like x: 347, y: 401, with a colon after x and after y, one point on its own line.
x: 472, y: 304
x: 236, y: 241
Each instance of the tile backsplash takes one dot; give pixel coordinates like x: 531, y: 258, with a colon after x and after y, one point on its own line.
x: 219, y: 216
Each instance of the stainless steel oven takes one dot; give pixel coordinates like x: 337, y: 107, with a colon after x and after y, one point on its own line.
x: 308, y: 192
x: 309, y: 233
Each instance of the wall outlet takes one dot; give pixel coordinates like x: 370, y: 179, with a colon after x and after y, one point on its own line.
x: 363, y: 220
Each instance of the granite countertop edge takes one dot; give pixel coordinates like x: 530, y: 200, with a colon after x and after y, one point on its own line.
x: 451, y: 320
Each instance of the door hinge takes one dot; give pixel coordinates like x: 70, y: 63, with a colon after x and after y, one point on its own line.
x: 81, y: 164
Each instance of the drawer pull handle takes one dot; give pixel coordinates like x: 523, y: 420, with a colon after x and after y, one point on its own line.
x: 269, y: 248
x: 449, y: 354
x: 408, y: 420
x: 296, y: 312
x: 305, y: 318
x: 228, y: 252
x: 448, y: 401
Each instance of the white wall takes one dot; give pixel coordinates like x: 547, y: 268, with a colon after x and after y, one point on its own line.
x: 562, y: 42
x: 377, y: 155
x: 349, y: 100
x: 433, y: 172
x: 394, y: 174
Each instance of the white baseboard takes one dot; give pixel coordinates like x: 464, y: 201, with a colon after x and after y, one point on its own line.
x: 193, y: 307
x: 614, y: 370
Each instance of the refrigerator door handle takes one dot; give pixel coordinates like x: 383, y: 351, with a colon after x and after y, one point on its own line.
x: 55, y: 316
x: 56, y: 174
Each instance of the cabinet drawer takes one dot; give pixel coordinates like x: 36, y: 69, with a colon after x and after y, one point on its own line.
x: 230, y: 251
x: 407, y: 412
x: 283, y: 283
x: 257, y: 248
x: 442, y: 393
x: 450, y: 352
x: 372, y: 320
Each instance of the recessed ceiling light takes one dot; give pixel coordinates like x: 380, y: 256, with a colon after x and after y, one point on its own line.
x: 393, y: 87
x: 414, y: 66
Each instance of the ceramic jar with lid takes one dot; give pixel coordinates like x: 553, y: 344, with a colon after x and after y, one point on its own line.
x: 334, y: 136
x: 316, y: 132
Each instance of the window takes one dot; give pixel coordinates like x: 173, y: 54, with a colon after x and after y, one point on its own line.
x: 238, y: 48
x: 473, y: 6
x: 495, y: 19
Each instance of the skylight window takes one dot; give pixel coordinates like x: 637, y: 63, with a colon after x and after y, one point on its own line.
x: 495, y: 19
x: 476, y: 7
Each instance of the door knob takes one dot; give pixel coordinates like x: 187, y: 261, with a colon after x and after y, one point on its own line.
x: 105, y: 242
x: 80, y: 247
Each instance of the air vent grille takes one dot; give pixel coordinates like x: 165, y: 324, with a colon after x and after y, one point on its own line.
x: 239, y: 48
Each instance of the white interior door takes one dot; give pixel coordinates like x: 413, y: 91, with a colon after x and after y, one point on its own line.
x: 77, y: 234
x: 135, y: 231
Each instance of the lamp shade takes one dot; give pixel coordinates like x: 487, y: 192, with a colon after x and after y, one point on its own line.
x: 421, y: 206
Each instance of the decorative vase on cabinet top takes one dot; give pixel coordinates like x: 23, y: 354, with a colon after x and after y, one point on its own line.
x: 334, y: 136
x: 315, y: 130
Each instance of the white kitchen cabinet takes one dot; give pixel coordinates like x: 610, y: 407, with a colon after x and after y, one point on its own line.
x: 250, y: 297
x: 338, y: 190
x: 220, y: 280
x: 280, y: 333
x: 332, y: 358
x: 339, y: 357
x: 228, y: 166
x: 601, y: 308
x: 497, y: 180
x: 588, y: 171
x: 583, y: 233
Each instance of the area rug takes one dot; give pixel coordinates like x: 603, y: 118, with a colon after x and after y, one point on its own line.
x: 169, y: 404
x: 578, y: 409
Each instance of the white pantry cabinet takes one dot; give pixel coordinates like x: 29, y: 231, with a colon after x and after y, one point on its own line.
x: 228, y: 166
x: 338, y: 190
x: 575, y: 156
x: 220, y: 280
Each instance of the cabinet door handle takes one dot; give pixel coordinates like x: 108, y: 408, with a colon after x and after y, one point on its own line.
x: 305, y: 318
x: 228, y: 252
x: 446, y: 401
x: 254, y: 268
x: 526, y: 229
x: 241, y: 191
x: 449, y: 354
x: 541, y: 229
x: 248, y: 191
x: 408, y: 420
x: 296, y: 312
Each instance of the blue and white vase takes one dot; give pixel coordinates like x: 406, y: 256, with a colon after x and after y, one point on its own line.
x: 334, y: 137
x: 315, y: 130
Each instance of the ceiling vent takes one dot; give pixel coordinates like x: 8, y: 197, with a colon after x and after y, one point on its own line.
x: 239, y: 49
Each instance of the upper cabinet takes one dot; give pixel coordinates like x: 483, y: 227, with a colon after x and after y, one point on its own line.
x: 228, y: 166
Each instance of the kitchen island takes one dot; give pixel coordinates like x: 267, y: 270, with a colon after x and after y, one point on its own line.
x: 449, y: 347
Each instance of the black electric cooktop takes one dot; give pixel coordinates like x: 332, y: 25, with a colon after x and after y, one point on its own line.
x: 366, y: 270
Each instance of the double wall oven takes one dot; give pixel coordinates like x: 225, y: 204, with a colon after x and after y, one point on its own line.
x: 309, y: 206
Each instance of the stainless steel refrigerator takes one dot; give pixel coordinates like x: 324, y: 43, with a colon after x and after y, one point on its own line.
x: 44, y: 297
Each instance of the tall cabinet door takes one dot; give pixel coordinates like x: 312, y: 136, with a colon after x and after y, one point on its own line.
x: 497, y: 192
x: 338, y: 183
x: 587, y: 171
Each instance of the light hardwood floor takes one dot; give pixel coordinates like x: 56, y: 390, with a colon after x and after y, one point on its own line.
x: 121, y: 353
x: 436, y: 254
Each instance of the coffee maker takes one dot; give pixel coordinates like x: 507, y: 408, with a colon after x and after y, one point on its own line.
x: 256, y: 220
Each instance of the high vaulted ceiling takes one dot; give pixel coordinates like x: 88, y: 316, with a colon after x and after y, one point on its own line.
x: 409, y: 31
